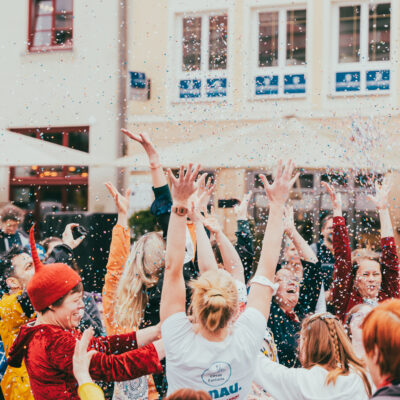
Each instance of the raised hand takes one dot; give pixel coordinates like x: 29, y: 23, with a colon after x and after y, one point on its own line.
x: 184, y: 186
x: 145, y: 141
x: 288, y: 222
x: 381, y: 198
x: 211, y: 222
x: 336, y: 199
x: 121, y: 202
x: 68, y: 237
x: 194, y: 213
x: 204, y: 190
x: 278, y: 191
x: 81, y: 358
x: 241, y: 209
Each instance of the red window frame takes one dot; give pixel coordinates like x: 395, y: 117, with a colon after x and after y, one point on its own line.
x: 31, y: 29
x: 66, y: 179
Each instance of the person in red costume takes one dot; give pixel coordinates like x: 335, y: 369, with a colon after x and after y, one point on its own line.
x: 47, y: 344
x: 363, y: 277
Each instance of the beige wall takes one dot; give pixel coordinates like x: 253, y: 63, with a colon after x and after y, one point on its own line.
x: 152, y: 43
x: 65, y: 88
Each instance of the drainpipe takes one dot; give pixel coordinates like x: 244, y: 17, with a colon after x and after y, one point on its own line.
x: 122, y: 92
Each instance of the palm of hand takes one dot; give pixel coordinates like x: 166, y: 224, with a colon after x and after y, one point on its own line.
x: 279, y: 191
x: 212, y: 224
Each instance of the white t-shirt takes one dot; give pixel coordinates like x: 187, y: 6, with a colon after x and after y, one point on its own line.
x: 223, y: 369
x: 306, y: 384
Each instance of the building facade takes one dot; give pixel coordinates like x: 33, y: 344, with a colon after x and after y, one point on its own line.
x: 62, y: 81
x: 272, y: 78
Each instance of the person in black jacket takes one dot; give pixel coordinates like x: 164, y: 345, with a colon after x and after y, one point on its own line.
x: 11, y: 218
x: 300, y: 281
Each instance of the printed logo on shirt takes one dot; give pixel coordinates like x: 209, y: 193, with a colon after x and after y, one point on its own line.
x: 226, y: 391
x: 217, y: 374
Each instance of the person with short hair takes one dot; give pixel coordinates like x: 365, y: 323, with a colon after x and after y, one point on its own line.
x: 381, y: 340
x: 11, y: 217
x: 47, y: 344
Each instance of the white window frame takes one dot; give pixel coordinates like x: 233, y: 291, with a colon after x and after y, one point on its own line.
x: 281, y: 69
x: 204, y: 73
x: 363, y: 66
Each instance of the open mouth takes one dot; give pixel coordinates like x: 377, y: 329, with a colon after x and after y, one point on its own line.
x: 291, y: 291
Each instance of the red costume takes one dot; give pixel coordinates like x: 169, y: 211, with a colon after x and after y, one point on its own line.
x: 345, y: 295
x: 48, y: 349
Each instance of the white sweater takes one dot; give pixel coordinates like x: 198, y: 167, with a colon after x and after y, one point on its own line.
x: 284, y: 383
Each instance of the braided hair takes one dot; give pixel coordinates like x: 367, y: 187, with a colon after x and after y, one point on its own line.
x: 324, y: 342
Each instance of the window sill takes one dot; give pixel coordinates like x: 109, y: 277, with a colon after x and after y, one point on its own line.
x: 48, y: 49
x: 300, y: 96
x: 360, y: 94
x: 209, y: 100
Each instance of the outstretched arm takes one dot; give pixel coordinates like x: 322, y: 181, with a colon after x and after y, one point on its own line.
x: 303, y: 248
x: 230, y: 258
x: 260, y: 295
x: 389, y: 259
x: 173, y: 291
x: 342, y: 283
x: 205, y: 255
x: 157, y: 173
x: 119, y: 252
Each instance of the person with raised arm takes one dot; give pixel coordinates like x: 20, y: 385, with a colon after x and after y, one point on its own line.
x: 47, y: 344
x: 363, y: 277
x: 219, y: 357
x: 131, y: 274
x: 300, y: 282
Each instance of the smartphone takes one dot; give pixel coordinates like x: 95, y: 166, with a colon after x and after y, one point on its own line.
x: 79, y: 231
x: 228, y: 203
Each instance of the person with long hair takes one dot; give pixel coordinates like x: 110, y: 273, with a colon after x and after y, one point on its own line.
x: 363, y: 277
x: 300, y: 282
x: 130, y: 276
x: 47, y: 344
x: 381, y: 339
x: 220, y: 356
x: 330, y: 368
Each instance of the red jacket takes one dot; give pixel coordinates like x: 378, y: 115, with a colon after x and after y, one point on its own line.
x: 345, y: 295
x: 48, y: 351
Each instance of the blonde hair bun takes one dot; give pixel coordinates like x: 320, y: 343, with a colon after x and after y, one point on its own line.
x: 214, y: 299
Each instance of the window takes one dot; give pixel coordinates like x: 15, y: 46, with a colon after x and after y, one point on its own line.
x: 363, y: 48
x: 204, y: 56
x: 51, y: 24
x: 281, y: 52
x: 43, y: 189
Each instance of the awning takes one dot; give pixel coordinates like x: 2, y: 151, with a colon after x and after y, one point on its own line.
x: 309, y: 143
x: 21, y: 150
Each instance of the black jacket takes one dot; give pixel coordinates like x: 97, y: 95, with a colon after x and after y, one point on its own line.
x: 388, y: 392
x: 284, y: 329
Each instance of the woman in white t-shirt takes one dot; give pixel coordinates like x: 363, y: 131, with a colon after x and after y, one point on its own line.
x: 220, y: 356
x: 331, y: 369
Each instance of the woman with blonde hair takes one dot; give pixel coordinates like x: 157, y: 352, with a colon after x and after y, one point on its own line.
x: 331, y: 369
x: 219, y: 356
x: 125, y: 289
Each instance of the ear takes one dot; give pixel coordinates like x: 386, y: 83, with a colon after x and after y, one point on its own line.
x: 375, y: 355
x: 13, y: 283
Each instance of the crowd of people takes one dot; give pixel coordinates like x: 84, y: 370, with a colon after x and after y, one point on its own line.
x: 187, y: 314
